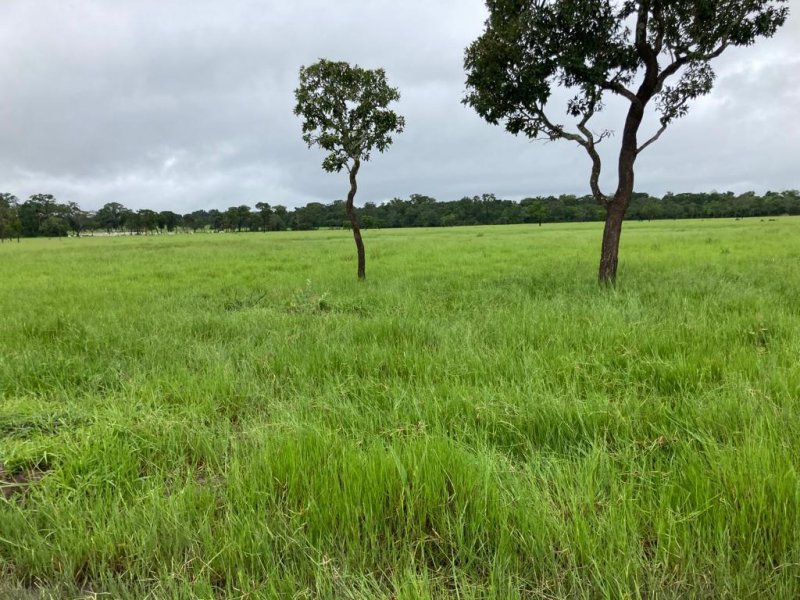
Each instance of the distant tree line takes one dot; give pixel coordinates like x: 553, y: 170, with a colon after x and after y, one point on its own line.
x: 42, y: 215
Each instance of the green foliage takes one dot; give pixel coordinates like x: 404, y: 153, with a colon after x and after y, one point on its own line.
x: 464, y: 425
x: 344, y: 111
x: 309, y: 301
x: 112, y: 216
x: 10, y: 225
x: 599, y: 46
x: 53, y: 226
x: 43, y: 215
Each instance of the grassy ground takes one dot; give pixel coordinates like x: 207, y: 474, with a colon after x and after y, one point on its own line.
x: 233, y: 416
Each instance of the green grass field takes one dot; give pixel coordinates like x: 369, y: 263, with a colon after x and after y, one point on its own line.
x: 234, y: 416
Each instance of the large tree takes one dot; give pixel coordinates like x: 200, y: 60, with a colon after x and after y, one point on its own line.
x: 41, y: 214
x: 645, y: 52
x: 265, y: 212
x: 9, y: 217
x: 112, y: 216
x: 345, y: 112
x: 77, y: 219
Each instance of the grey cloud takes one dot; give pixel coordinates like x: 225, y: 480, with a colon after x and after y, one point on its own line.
x: 188, y: 104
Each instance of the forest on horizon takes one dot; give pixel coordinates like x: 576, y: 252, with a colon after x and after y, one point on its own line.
x: 42, y: 215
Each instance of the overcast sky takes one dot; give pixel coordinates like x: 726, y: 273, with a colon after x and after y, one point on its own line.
x: 187, y: 104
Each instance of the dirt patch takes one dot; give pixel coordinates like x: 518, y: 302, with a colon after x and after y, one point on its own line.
x: 14, y: 483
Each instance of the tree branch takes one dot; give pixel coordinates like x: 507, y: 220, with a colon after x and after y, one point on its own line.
x: 670, y: 70
x: 660, y: 34
x: 680, y: 61
x: 646, y: 52
x: 594, y: 180
x: 597, y: 165
x: 582, y: 125
x: 618, y: 88
x: 586, y: 140
x: 661, y: 130
x: 553, y: 131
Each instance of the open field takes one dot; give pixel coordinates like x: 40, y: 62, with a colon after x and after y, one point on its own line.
x: 234, y: 416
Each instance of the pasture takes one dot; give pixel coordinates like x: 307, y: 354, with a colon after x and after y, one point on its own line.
x: 235, y: 416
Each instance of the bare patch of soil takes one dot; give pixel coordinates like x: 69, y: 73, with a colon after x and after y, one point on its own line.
x: 13, y: 483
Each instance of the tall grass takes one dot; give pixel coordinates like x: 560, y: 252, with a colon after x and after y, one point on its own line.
x: 235, y: 416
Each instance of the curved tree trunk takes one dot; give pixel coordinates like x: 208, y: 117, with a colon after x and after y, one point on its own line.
x: 351, y: 214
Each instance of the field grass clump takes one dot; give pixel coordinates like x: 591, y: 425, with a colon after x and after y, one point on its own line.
x: 234, y: 416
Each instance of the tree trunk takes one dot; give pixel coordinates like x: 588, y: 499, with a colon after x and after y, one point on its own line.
x: 351, y: 214
x: 609, y: 253
x: 617, y: 206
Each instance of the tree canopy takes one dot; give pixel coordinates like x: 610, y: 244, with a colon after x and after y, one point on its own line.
x: 594, y: 47
x: 345, y: 111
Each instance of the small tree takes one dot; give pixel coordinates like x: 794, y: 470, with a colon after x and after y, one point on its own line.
x: 344, y: 111
x: 643, y: 51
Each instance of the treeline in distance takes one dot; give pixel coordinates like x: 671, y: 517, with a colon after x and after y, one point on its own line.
x: 42, y: 215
